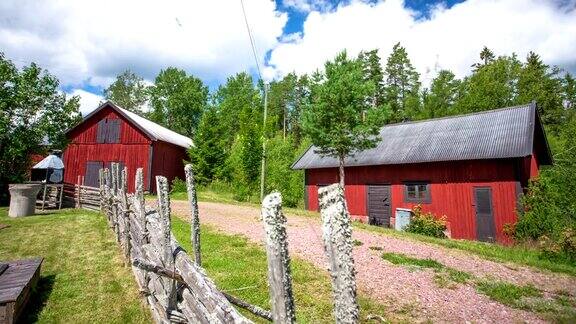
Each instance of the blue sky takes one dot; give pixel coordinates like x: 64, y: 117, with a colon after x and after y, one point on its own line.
x: 87, y: 43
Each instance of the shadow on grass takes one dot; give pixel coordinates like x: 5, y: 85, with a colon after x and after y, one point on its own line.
x: 38, y: 299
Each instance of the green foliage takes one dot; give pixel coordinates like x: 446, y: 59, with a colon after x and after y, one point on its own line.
x: 209, y: 152
x: 178, y: 185
x: 281, y: 154
x: 374, y: 73
x: 440, y: 99
x: 128, y: 91
x: 426, y: 223
x: 32, y: 111
x: 178, y: 100
x: 402, y: 85
x: 549, y: 208
x: 335, y: 119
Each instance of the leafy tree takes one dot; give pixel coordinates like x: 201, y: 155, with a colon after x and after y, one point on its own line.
x: 178, y: 100
x: 402, y: 85
x: 537, y: 82
x: 491, y: 86
x: 333, y: 120
x: 281, y: 153
x: 373, y: 71
x: 209, y: 152
x: 128, y: 91
x: 281, y: 101
x: 444, y: 92
x: 569, y: 91
x: 32, y: 111
x: 239, y: 103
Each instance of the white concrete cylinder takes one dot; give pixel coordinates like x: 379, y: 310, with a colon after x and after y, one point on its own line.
x: 23, y: 199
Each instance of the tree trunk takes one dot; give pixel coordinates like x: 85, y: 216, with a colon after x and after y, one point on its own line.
x: 341, y: 169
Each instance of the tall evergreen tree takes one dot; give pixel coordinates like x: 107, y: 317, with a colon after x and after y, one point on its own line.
x: 208, y: 154
x: 333, y: 120
x: 402, y: 85
x: 569, y: 91
x: 537, y: 82
x: 128, y: 91
x: 374, y: 72
x: 178, y: 100
x: 440, y: 98
x: 486, y: 57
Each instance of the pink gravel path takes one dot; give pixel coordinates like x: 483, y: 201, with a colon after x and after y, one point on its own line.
x: 396, y: 286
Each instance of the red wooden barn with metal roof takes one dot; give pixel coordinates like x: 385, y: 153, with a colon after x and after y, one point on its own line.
x: 471, y: 168
x: 112, y: 134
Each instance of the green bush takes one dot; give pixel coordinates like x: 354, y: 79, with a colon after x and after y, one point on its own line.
x: 548, y: 212
x: 426, y: 223
x: 178, y: 185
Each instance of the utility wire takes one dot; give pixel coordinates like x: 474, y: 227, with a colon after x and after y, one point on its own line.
x: 263, y: 166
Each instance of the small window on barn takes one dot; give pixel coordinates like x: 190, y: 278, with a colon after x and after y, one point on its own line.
x: 113, y: 134
x: 101, y: 131
x: 417, y: 192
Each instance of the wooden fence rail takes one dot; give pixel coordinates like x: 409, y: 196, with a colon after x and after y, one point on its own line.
x: 176, y: 287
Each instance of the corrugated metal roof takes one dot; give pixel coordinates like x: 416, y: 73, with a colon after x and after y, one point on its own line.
x: 494, y: 134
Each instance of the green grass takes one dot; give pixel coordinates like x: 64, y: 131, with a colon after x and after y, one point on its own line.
x: 507, y: 293
x: 83, y: 279
x: 240, y: 268
x: 445, y: 277
x: 521, y: 255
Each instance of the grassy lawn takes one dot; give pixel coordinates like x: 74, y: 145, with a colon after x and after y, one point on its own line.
x: 83, y: 279
x: 521, y: 255
x: 239, y: 267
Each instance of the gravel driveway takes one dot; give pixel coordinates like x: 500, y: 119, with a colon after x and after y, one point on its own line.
x: 398, y: 287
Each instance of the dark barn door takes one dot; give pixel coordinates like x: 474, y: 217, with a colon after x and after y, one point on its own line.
x: 92, y: 173
x: 379, y: 205
x: 485, y: 230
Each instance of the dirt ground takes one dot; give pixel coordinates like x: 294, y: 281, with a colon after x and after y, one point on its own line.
x: 402, y: 289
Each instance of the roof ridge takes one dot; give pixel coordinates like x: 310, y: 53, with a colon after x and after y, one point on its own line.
x: 459, y: 116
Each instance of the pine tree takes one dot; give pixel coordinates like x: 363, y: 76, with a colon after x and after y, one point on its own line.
x: 373, y: 71
x: 334, y: 120
x: 402, y: 85
x: 486, y: 57
x: 208, y: 154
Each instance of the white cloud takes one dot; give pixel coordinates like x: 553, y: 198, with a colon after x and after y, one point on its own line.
x: 92, y: 41
x: 88, y: 100
x: 450, y: 38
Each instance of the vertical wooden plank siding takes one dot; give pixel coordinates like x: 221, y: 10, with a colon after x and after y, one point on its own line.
x: 451, y: 188
x: 168, y: 161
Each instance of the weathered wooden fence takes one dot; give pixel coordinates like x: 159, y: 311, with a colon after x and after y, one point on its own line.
x: 79, y: 195
x: 176, y: 287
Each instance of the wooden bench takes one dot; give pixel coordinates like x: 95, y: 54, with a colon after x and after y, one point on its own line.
x: 17, y: 279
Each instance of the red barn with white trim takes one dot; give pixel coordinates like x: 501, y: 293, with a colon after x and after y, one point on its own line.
x: 112, y: 134
x: 471, y: 168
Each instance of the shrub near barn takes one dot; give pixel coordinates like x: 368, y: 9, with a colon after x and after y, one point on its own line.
x: 426, y: 223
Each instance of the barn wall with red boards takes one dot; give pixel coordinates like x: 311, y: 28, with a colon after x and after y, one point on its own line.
x: 451, y: 189
x: 168, y: 161
x: 133, y: 149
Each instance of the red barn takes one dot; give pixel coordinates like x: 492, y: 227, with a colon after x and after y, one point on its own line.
x: 112, y: 134
x: 471, y: 168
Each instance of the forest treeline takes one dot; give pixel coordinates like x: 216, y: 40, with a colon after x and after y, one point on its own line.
x: 228, y: 130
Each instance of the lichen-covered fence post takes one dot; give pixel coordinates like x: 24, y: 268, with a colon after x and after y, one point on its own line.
x: 279, y: 275
x: 139, y: 204
x: 193, y: 201
x: 337, y: 237
x: 167, y: 256
x: 125, y: 214
x: 114, y: 190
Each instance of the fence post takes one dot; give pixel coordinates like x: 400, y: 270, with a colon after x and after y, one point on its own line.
x: 114, y: 215
x: 101, y: 189
x: 78, y: 192
x: 125, y: 214
x: 337, y: 236
x: 168, y: 257
x: 193, y: 201
x: 140, y: 203
x: 279, y: 275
